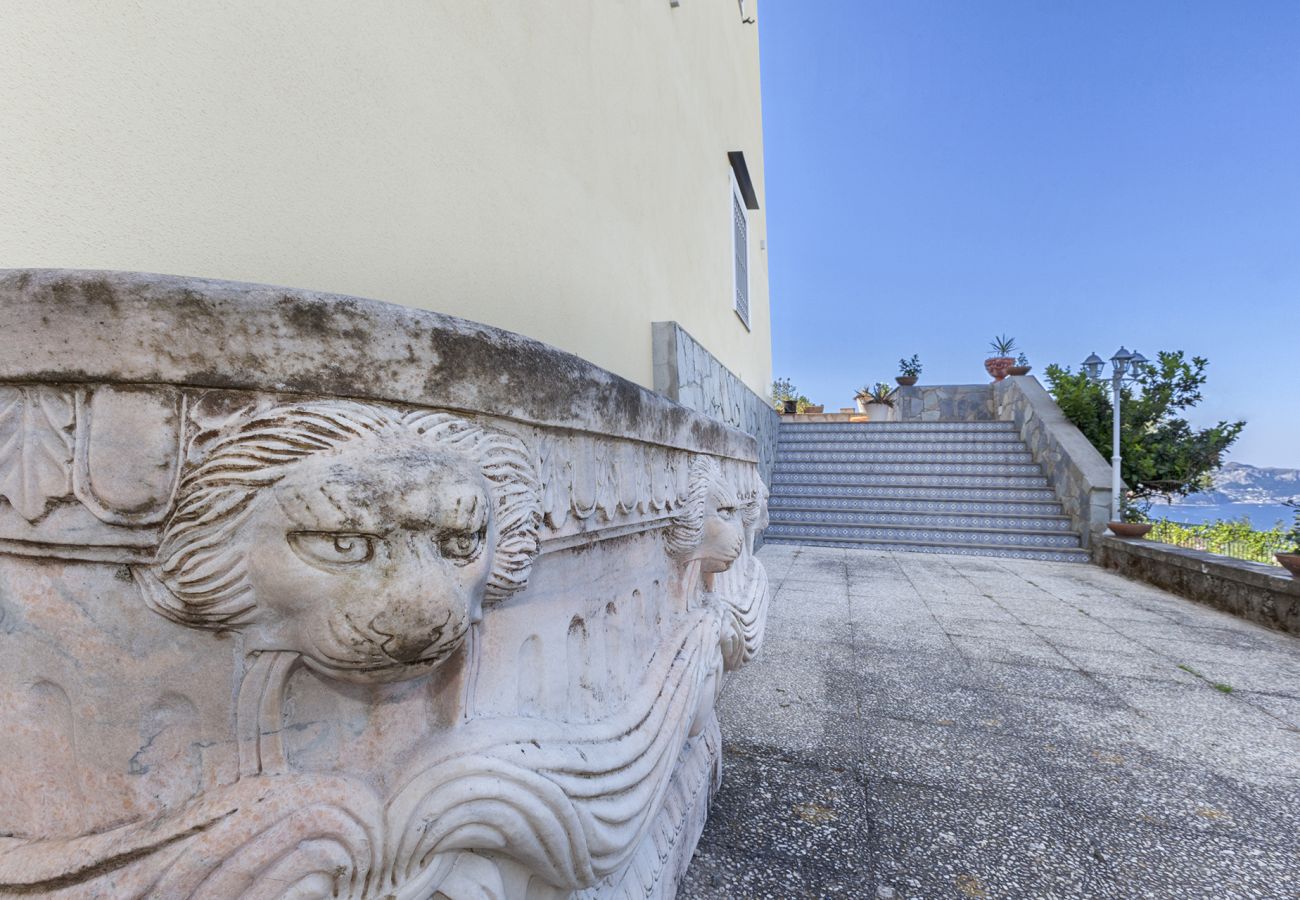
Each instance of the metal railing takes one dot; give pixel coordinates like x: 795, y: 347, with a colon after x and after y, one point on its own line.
x: 1235, y: 540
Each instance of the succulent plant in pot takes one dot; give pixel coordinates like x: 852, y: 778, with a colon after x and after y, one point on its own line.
x: 908, y: 371
x: 1001, y: 361
x: 1021, y: 367
x: 1133, y: 520
x: 1291, y: 561
x: 876, y: 401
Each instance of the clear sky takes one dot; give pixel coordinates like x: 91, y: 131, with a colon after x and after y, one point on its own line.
x: 1079, y: 174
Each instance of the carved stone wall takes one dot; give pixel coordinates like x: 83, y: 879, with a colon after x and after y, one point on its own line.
x: 686, y: 372
x: 310, y: 596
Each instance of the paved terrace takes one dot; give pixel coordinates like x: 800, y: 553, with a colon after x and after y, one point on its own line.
x: 930, y: 726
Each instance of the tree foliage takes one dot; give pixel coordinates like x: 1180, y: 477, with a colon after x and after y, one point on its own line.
x: 1163, y: 455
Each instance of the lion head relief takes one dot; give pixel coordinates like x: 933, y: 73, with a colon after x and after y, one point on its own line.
x: 361, y: 537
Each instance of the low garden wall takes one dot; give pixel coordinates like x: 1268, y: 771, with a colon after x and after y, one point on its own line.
x: 1074, y: 468
x: 1264, y: 594
x: 944, y: 403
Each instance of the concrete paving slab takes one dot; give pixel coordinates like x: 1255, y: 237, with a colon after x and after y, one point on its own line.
x: 927, y: 726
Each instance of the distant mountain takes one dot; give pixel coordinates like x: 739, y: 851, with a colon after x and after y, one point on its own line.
x: 1240, y: 483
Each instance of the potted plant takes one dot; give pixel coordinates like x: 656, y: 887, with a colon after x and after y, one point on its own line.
x: 908, y: 371
x: 1001, y: 360
x: 876, y: 401
x: 1133, y: 521
x: 1021, y: 367
x: 1291, y: 561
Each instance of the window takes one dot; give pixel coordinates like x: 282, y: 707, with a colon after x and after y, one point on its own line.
x: 739, y: 253
x: 743, y: 199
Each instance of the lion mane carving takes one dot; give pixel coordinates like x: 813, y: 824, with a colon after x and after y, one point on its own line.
x: 362, y: 537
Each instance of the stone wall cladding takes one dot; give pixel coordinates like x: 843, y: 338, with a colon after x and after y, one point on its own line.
x: 312, y: 594
x: 1263, y: 594
x: 1074, y: 468
x: 944, y: 403
x: 690, y: 375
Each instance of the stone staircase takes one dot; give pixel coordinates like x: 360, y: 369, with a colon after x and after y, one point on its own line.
x: 927, y: 487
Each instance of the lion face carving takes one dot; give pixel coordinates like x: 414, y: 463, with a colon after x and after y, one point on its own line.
x: 709, y: 527
x: 362, y: 538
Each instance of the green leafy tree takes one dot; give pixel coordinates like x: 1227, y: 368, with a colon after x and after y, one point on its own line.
x: 1164, y: 456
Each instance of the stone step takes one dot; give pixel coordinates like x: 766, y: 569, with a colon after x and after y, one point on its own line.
x: 787, y: 439
x: 1048, y: 554
x: 886, y: 429
x: 938, y: 457
x: 906, y: 480
x: 909, y: 503
x: 788, y: 467
x: 784, y: 448
x: 997, y: 537
x: 858, y: 491
x: 789, y: 515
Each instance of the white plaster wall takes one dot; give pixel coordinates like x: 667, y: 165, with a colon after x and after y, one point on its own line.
x: 555, y: 167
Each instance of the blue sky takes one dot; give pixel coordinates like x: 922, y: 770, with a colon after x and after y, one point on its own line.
x: 1077, y: 174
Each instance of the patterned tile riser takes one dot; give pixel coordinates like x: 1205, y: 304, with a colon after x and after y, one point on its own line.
x: 997, y: 552
x: 848, y: 480
x: 897, y: 427
x: 915, y: 468
x: 921, y: 520
x: 933, y: 457
x: 917, y: 505
x: 884, y: 446
x: 926, y: 492
x: 926, y: 535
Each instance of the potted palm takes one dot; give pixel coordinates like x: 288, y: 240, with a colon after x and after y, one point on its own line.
x: 1021, y: 367
x: 876, y: 401
x: 908, y: 371
x: 1133, y: 522
x: 1291, y: 561
x: 1001, y: 360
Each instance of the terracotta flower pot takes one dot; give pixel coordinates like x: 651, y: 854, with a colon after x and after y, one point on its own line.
x: 906, y: 380
x: 1290, y: 562
x: 1129, y: 529
x: 998, y: 366
x: 1019, y: 370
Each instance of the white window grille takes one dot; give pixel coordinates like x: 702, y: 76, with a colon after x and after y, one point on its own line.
x: 739, y: 253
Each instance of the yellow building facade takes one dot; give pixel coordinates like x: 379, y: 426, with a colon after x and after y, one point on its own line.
x: 571, y: 171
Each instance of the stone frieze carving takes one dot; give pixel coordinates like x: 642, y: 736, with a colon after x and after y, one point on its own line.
x: 359, y: 544
x: 264, y: 645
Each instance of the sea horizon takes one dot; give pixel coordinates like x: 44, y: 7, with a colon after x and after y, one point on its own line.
x: 1264, y: 516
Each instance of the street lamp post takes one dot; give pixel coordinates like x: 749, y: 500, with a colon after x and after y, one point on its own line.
x: 1122, y: 364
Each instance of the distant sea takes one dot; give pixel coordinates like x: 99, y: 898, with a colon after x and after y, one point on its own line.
x: 1262, y: 515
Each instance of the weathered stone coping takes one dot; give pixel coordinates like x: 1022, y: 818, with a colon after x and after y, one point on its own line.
x: 1263, y: 594
x: 76, y: 326
x: 1074, y: 468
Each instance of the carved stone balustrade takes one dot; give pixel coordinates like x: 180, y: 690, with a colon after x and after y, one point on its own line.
x: 312, y: 596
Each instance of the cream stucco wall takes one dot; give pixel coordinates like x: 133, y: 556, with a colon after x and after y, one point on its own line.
x: 555, y: 167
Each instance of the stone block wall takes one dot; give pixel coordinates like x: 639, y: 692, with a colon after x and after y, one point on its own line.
x: 1074, y: 468
x: 944, y: 403
x: 689, y: 374
x: 308, y: 595
x: 1264, y: 594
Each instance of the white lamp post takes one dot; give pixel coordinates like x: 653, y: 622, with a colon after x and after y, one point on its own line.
x: 1122, y: 364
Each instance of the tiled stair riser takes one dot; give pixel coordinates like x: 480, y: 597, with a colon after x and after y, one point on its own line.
x: 962, y: 536
x: 924, y: 447
x: 789, y: 457
x: 907, y: 468
x: 916, y: 491
x: 781, y: 516
x: 872, y: 428
x: 1046, y: 554
x: 781, y: 479
x: 915, y: 505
